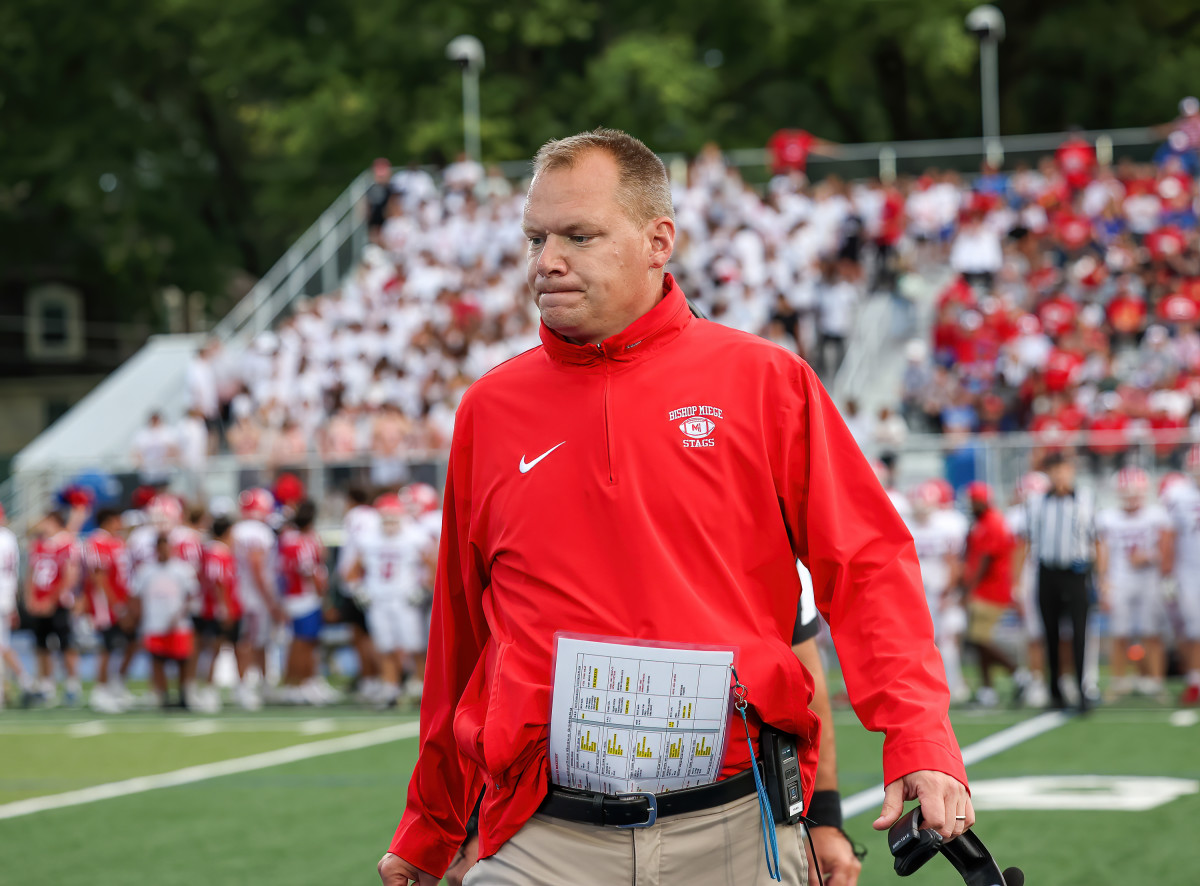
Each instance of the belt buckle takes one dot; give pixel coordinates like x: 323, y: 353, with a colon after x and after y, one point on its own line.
x: 651, y: 812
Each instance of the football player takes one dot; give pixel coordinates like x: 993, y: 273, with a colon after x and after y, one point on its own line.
x: 1133, y: 551
x: 304, y: 580
x: 50, y: 596
x: 388, y: 563
x: 254, y: 548
x: 106, y: 596
x: 1183, y: 504
x: 939, y: 551
x: 10, y: 570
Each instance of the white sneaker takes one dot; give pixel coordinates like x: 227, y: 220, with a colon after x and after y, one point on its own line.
x: 1036, y: 694
x: 326, y: 691
x: 986, y: 697
x: 1070, y: 692
x: 204, y: 700
x: 413, y: 688
x: 370, y: 690
x: 960, y: 694
x: 104, y: 702
x: 247, y: 699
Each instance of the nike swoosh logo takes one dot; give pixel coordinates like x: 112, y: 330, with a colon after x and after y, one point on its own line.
x: 527, y: 466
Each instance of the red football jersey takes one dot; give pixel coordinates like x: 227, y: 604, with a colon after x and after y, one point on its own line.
x: 301, y: 558
x: 789, y: 150
x: 48, y: 562
x: 219, y: 572
x: 188, y: 545
x: 106, y: 554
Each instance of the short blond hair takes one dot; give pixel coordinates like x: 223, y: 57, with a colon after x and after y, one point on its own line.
x: 643, y: 188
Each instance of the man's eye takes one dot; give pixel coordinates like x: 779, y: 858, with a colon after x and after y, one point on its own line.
x: 535, y: 241
x: 580, y: 238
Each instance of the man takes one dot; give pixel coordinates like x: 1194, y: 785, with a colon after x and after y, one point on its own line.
x: 1133, y: 548
x: 590, y: 489
x: 1183, y: 504
x: 359, y: 522
x: 219, y: 618
x: 987, y: 585
x: 50, y: 589
x: 106, y: 592
x: 1031, y: 484
x: 162, y: 592
x: 389, y: 567
x: 837, y: 858
x: 154, y: 452
x: 304, y: 580
x: 10, y: 571
x: 254, y: 549
x: 939, y: 546
x: 1061, y: 532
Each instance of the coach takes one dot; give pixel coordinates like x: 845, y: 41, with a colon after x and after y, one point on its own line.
x: 645, y: 474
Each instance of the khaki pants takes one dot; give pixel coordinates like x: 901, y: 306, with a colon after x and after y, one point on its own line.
x: 722, y: 846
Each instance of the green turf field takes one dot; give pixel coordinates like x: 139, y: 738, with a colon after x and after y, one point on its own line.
x: 325, y: 820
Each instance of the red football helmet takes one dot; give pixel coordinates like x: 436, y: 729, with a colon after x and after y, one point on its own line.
x: 390, y: 505
x: 424, y: 498
x: 924, y: 498
x: 945, y: 492
x: 165, y: 511
x: 256, y: 503
x: 979, y: 492
x: 1032, y: 483
x: 1132, y: 485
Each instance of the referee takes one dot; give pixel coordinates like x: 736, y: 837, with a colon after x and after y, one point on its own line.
x: 1062, y: 532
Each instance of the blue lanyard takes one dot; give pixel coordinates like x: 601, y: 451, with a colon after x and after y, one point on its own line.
x: 767, y: 817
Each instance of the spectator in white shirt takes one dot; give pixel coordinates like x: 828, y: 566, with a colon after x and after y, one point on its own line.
x: 154, y: 451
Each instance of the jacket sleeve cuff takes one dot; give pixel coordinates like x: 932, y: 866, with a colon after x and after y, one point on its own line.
x: 904, y: 757
x: 424, y: 846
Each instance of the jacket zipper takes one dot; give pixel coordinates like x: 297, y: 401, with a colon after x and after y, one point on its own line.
x: 608, y: 434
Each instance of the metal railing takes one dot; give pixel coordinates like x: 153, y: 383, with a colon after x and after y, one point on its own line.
x: 316, y: 263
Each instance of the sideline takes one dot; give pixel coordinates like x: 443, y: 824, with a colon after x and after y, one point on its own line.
x: 994, y: 744
x: 205, y: 771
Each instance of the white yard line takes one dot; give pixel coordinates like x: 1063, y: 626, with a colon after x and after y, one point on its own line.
x: 206, y: 771
x: 872, y: 798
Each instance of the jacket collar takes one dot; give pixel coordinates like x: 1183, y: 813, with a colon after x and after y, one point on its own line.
x: 645, y: 335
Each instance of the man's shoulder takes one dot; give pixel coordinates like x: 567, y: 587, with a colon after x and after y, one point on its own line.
x: 738, y: 344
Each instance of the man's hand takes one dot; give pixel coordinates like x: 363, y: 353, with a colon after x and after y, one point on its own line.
x: 942, y: 797
x: 463, y: 862
x: 395, y: 871
x: 835, y: 855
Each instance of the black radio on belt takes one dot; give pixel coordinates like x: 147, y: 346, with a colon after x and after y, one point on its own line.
x: 781, y: 775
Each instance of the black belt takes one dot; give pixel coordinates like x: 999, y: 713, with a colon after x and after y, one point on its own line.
x: 641, y: 809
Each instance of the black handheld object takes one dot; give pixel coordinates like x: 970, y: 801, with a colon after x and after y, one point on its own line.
x: 912, y: 846
x: 781, y: 775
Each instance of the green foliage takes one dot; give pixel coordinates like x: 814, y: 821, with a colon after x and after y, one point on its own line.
x: 172, y: 142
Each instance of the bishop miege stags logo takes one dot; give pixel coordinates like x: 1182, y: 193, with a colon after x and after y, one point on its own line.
x: 696, y: 424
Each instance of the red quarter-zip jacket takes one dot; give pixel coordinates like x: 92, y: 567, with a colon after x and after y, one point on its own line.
x: 658, y: 486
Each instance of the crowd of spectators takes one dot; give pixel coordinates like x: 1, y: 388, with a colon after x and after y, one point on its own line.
x: 1074, y: 303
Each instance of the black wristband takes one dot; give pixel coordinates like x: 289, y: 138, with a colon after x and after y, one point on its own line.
x: 825, y: 809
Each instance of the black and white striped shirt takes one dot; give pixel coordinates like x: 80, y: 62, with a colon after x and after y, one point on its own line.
x: 1062, y: 529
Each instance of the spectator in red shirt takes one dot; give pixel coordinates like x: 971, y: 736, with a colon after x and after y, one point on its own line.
x: 987, y: 585
x: 1111, y: 430
x: 1076, y: 160
x: 789, y: 150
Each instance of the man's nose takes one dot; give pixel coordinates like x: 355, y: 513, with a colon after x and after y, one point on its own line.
x: 551, y: 259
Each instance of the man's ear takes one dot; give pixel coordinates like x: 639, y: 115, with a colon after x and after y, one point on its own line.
x: 661, y: 234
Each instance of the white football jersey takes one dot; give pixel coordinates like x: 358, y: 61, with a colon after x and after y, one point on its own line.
x: 935, y: 540
x: 1017, y: 518
x: 9, y: 571
x: 1183, y: 507
x: 165, y: 590
x: 392, y: 563
x: 1125, y: 533
x: 956, y: 524
x: 249, y: 536
x: 360, y: 522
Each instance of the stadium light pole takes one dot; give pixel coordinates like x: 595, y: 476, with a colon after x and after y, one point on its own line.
x: 987, y: 23
x: 467, y: 52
